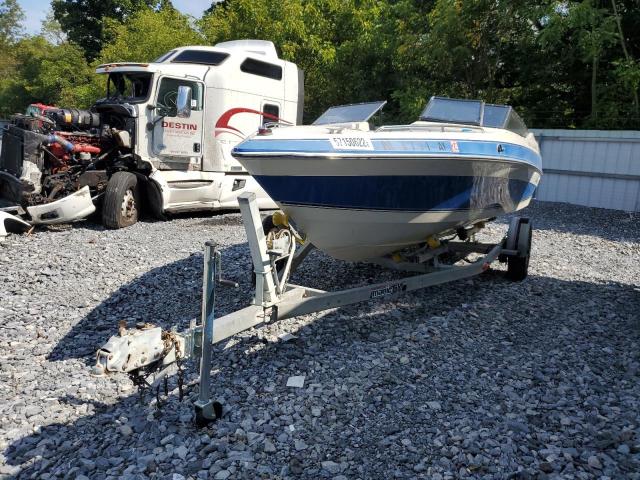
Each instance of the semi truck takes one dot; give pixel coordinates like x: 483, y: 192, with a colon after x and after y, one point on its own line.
x: 159, y: 142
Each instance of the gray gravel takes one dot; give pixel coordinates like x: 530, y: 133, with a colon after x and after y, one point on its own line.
x: 483, y: 378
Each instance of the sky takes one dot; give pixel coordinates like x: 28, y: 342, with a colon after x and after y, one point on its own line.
x: 36, y: 10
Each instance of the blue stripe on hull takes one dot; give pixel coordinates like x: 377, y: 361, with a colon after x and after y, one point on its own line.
x: 393, y: 147
x: 402, y: 193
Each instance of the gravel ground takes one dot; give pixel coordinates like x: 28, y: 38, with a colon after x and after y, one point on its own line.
x: 482, y: 378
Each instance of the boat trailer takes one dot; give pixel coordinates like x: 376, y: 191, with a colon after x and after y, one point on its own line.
x: 148, y: 354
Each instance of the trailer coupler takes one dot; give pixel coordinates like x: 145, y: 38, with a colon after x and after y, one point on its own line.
x: 138, y: 348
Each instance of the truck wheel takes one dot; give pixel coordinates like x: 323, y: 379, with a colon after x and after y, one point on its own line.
x: 121, y: 201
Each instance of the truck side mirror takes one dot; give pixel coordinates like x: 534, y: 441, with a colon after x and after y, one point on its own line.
x: 183, y: 102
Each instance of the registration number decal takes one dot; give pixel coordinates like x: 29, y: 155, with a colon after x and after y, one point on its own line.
x: 388, y: 290
x: 351, y: 143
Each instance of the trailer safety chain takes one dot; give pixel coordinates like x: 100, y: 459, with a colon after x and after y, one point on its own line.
x: 179, y: 366
x: 140, y: 380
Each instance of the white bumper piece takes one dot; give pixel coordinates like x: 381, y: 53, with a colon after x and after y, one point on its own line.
x: 12, y: 224
x: 76, y: 206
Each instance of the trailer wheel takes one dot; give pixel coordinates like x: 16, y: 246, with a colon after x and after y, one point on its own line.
x: 518, y: 265
x: 121, y: 201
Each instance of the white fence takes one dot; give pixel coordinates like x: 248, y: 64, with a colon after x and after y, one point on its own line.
x: 596, y: 168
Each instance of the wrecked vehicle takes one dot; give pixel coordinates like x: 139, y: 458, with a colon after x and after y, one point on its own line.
x: 159, y: 142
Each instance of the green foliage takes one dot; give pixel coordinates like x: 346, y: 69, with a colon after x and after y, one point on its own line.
x: 52, y: 74
x: 147, y: 35
x: 85, y: 21
x: 43, y: 72
x: 343, y: 46
x: 560, y: 63
x: 305, y: 37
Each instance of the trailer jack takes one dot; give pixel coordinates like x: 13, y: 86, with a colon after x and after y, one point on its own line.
x: 149, y: 354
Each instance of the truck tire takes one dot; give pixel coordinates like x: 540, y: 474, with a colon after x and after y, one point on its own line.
x: 121, y: 201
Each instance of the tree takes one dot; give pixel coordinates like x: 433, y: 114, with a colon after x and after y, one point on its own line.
x: 628, y: 70
x: 561, y: 63
x: 47, y: 73
x: 147, y: 34
x: 52, y: 30
x: 592, y: 30
x: 215, y: 4
x: 11, y: 18
x: 340, y: 44
x: 302, y: 32
x: 84, y: 21
x: 469, y: 49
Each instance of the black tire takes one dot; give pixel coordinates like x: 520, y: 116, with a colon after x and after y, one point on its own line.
x: 518, y: 266
x: 121, y: 206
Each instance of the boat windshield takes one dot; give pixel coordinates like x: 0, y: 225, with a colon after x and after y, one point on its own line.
x: 451, y: 110
x: 473, y: 112
x: 357, y: 112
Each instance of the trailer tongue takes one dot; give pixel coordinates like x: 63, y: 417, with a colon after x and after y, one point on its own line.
x: 149, y: 354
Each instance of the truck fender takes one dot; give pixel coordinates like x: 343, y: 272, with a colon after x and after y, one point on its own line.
x: 152, y: 195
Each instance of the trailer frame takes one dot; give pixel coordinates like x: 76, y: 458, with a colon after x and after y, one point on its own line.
x: 139, y: 353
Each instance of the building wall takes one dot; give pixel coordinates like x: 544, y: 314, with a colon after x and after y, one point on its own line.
x: 596, y: 168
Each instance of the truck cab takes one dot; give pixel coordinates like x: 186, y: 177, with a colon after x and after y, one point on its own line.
x: 161, y: 138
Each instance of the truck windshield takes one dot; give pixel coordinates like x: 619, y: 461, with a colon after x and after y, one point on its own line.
x: 131, y: 87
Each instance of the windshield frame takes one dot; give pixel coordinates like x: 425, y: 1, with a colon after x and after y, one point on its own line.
x: 127, y: 99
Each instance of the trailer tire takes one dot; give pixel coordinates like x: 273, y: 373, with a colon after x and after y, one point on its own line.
x: 121, y: 206
x: 518, y: 265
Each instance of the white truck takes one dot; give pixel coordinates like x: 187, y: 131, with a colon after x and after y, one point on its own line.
x: 159, y: 141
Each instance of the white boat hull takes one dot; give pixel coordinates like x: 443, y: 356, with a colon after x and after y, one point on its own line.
x: 355, y: 235
x: 361, y: 204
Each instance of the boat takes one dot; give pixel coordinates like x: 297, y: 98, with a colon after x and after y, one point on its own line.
x: 359, y: 193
